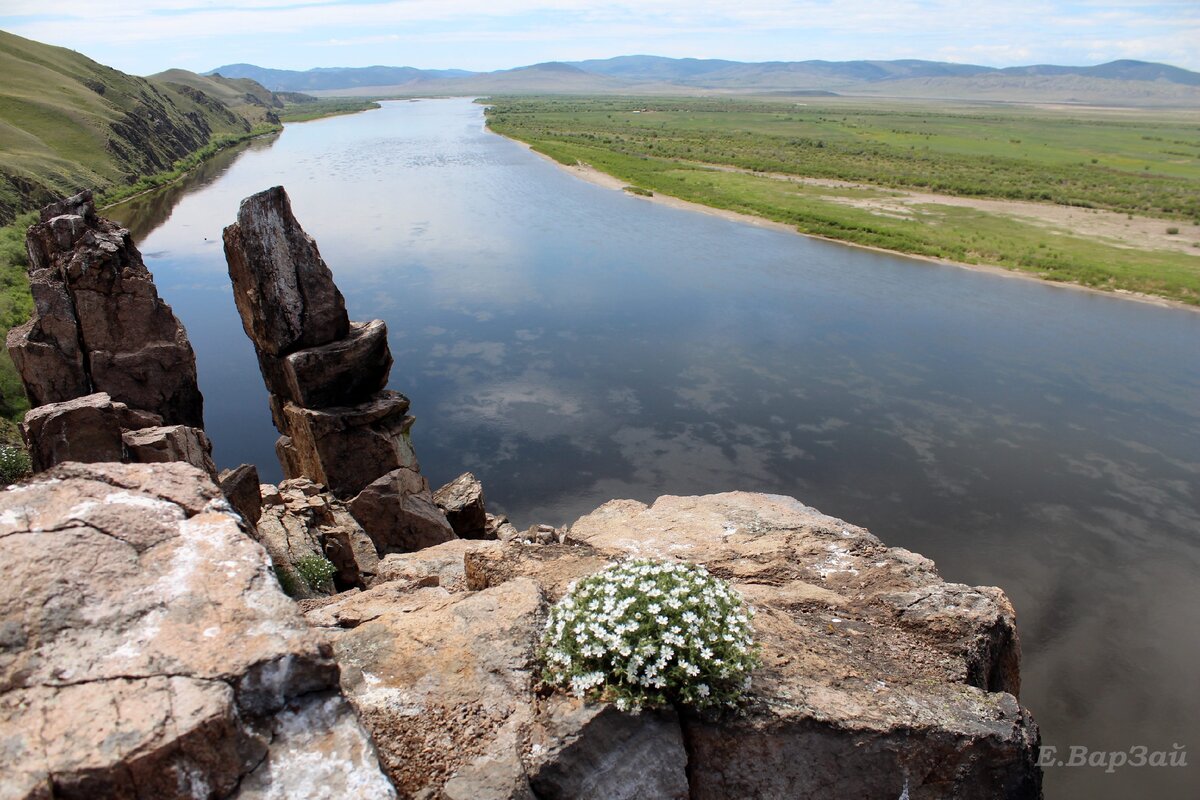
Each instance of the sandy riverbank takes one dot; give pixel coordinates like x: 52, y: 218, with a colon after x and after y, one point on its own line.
x: 594, y: 176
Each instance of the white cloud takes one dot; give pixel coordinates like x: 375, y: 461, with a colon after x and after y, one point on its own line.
x: 1002, y: 32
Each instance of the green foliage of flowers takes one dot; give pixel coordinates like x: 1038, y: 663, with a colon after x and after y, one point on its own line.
x: 317, y: 571
x: 14, y: 463
x: 647, y: 634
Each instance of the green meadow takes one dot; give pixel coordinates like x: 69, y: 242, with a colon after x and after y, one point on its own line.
x: 731, y: 154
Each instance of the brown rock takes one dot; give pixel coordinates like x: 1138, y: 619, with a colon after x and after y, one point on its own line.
x: 86, y: 429
x: 462, y: 502
x: 147, y: 652
x: 241, y: 488
x: 307, y: 522
x: 283, y: 289
x: 443, y: 683
x: 47, y: 348
x: 855, y: 695
x: 443, y: 565
x: 398, y: 513
x: 170, y: 443
x: 99, y: 324
x: 344, y: 372
x: 346, y: 448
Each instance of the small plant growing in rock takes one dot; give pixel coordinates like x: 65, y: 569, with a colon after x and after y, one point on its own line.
x: 647, y: 634
x: 317, y: 571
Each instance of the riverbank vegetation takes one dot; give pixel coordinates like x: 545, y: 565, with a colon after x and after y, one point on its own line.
x: 318, y: 108
x: 915, y: 178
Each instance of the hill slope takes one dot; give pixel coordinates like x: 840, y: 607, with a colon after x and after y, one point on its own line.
x: 1119, y: 82
x: 68, y: 123
x: 243, y: 96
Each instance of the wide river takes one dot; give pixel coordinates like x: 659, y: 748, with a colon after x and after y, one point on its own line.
x: 570, y: 344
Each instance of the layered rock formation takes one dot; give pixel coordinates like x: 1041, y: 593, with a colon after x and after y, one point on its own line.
x: 99, y: 324
x: 147, y: 651
x: 106, y: 365
x: 878, y: 675
x: 298, y: 522
x: 326, y: 376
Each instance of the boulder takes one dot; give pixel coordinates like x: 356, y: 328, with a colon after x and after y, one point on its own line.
x: 298, y: 521
x: 443, y: 565
x: 461, y: 501
x: 241, y: 488
x: 348, y: 447
x: 99, y: 324
x: 877, y: 674
x: 443, y: 682
x: 398, y: 513
x: 148, y: 652
x: 170, y: 443
x: 589, y: 751
x: 86, y: 429
x: 344, y: 372
x: 283, y: 289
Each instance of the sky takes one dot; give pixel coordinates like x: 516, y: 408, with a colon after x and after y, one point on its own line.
x: 146, y: 36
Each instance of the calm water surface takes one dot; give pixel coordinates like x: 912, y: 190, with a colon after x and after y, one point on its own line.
x: 571, y: 344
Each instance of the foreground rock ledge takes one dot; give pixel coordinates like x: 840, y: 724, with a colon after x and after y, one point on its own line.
x: 146, y: 650
x: 878, y: 675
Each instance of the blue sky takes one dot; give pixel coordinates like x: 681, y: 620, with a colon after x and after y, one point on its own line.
x: 146, y: 36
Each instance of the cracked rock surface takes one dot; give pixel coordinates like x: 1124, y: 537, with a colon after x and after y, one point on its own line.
x: 146, y: 650
x: 878, y: 675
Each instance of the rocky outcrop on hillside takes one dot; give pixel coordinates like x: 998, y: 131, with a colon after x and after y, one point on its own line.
x: 147, y: 651
x: 878, y: 675
x: 106, y: 365
x: 98, y: 323
x: 326, y: 375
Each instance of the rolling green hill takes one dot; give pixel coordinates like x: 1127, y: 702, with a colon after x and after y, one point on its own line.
x: 68, y: 123
x: 240, y: 95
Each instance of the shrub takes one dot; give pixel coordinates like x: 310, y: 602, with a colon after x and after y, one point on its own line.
x: 1172, y: 231
x: 14, y: 463
x: 651, y: 634
x: 317, y: 571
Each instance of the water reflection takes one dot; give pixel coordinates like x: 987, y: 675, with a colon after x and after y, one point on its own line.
x: 571, y: 344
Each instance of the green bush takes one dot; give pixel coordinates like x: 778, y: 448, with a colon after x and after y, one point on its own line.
x: 317, y: 571
x: 651, y: 634
x: 14, y: 463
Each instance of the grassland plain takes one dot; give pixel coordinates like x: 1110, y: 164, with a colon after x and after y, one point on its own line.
x: 918, y: 178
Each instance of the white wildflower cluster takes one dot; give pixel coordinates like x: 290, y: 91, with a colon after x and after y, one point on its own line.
x: 651, y: 633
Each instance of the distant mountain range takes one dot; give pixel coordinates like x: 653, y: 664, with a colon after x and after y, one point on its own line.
x: 1138, y: 82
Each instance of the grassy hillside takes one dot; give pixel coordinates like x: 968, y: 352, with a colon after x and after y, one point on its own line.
x: 68, y: 123
x: 1005, y: 186
x: 240, y: 95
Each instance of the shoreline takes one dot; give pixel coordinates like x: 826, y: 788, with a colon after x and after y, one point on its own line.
x: 596, y: 177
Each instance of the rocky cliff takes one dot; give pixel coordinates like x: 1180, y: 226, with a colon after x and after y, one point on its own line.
x: 149, y: 647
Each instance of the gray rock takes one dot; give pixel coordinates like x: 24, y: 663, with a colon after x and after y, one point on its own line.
x: 585, y: 751
x: 283, y: 289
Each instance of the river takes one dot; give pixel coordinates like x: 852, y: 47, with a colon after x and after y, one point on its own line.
x: 570, y: 344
